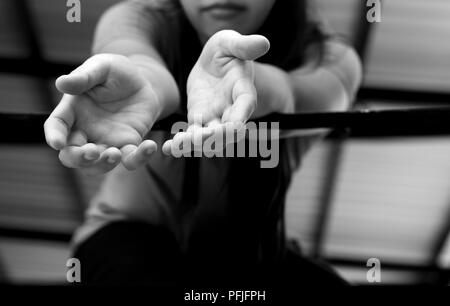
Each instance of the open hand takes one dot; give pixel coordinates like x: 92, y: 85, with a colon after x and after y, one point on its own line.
x: 220, y: 88
x: 107, y: 109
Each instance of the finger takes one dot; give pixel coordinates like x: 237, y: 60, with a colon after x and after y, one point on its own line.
x: 241, y: 110
x: 181, y: 144
x: 109, y: 159
x: 228, y: 133
x: 80, y: 157
x: 77, y: 138
x: 91, y: 73
x: 195, y: 117
x: 219, y: 134
x: 191, y: 140
x: 58, y: 125
x: 234, y: 132
x: 195, y: 135
x: 198, y: 134
x: 167, y: 147
x: 213, y: 123
x: 245, y: 47
x: 215, y: 127
x: 134, y: 157
x: 244, y: 97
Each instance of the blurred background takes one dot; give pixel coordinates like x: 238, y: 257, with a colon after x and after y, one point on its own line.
x: 352, y: 200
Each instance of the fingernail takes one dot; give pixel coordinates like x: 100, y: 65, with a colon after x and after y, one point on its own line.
x: 90, y: 157
x: 111, y: 160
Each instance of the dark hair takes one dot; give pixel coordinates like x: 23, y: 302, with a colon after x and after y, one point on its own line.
x: 289, y: 27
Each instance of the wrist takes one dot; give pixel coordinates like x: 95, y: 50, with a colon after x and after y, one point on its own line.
x: 275, y: 92
x: 161, y: 83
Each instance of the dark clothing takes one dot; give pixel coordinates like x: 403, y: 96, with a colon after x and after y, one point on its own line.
x: 143, y: 254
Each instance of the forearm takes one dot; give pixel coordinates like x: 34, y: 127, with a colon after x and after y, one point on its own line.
x: 163, y: 83
x: 304, y: 90
x: 275, y: 94
x: 319, y: 90
x: 154, y: 70
x: 132, y: 36
x: 328, y: 86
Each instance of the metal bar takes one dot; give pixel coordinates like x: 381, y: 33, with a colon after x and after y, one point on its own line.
x: 28, y: 128
x: 403, y: 95
x: 28, y: 28
x: 326, y: 201
x: 438, y: 248
x: 361, y: 40
x: 3, y: 273
x: 35, y: 235
x: 31, y: 37
x: 30, y: 67
x: 439, y: 244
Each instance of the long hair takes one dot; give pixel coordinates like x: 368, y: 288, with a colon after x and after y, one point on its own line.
x: 289, y: 27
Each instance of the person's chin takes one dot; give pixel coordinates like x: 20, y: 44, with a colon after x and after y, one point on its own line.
x: 211, y: 30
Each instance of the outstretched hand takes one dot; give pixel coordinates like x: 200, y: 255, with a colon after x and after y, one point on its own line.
x: 107, y: 108
x: 221, y: 91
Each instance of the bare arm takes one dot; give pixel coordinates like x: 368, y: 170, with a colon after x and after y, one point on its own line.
x: 329, y: 86
x: 113, y: 99
x: 129, y: 29
x: 248, y: 89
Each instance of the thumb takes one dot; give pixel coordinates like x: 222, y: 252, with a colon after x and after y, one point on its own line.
x: 91, y: 73
x: 245, y: 47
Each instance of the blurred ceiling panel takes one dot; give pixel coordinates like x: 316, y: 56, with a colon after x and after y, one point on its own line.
x: 21, y: 94
x: 34, y: 262
x: 12, y: 41
x: 391, y: 198
x: 358, y: 276
x: 35, y: 191
x: 410, y: 47
x: 61, y: 40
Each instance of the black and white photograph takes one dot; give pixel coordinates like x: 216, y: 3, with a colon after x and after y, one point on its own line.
x: 224, y: 151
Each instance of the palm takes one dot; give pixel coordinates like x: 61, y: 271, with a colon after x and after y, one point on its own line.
x: 213, y: 87
x: 107, y: 109
x: 221, y: 90
x: 221, y: 84
x: 115, y: 123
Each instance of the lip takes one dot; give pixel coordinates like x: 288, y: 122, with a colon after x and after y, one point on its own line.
x: 224, y: 10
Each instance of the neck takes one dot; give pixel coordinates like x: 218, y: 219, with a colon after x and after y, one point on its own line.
x: 203, y: 38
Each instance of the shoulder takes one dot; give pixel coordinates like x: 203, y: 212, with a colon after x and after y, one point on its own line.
x: 141, y: 20
x: 135, y: 12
